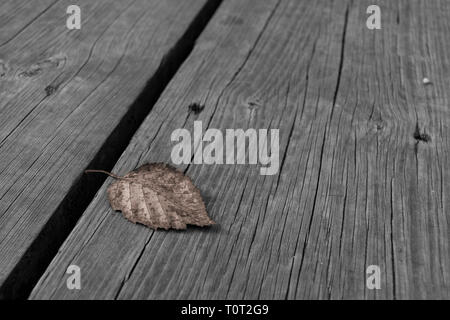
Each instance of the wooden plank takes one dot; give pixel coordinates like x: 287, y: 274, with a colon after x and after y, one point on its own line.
x: 364, y: 171
x: 16, y: 16
x: 68, y: 95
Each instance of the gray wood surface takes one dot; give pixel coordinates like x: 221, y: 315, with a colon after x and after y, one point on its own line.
x: 364, y: 177
x: 62, y: 94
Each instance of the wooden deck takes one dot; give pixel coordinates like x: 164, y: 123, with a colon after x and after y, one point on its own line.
x: 364, y: 176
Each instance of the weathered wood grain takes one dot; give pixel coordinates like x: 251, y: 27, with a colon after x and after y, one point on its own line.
x: 70, y: 98
x: 365, y: 170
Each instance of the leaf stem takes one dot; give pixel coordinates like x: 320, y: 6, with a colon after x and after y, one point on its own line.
x: 105, y: 172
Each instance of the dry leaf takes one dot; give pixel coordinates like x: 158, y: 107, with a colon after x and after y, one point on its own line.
x: 158, y: 196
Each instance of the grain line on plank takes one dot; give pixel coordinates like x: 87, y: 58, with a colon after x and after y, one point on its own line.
x: 39, y: 254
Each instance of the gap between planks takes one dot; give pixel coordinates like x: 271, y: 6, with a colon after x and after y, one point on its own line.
x: 40, y: 253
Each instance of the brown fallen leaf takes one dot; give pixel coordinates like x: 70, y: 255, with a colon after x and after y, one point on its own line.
x: 158, y: 196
